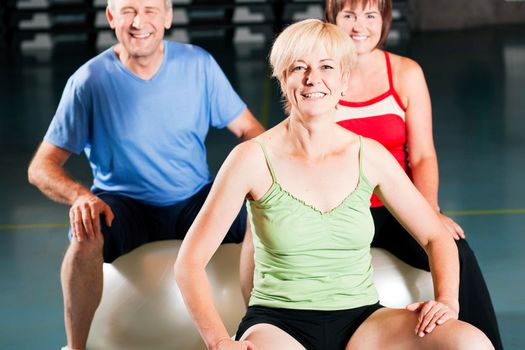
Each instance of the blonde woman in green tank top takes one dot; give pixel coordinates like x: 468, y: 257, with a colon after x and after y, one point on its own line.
x: 308, y: 184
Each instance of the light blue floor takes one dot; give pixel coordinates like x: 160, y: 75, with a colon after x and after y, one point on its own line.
x: 477, y: 83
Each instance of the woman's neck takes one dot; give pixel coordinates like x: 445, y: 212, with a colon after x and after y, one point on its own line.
x: 311, y: 138
x: 368, y: 61
x: 363, y: 82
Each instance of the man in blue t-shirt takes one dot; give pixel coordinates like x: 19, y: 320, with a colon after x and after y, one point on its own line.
x: 140, y: 111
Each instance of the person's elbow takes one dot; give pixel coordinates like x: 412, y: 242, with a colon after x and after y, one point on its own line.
x: 46, y: 164
x: 253, y: 129
x: 246, y: 126
x: 33, y: 172
x: 182, y: 271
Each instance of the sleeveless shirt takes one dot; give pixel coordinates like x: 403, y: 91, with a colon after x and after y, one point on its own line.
x: 309, y: 259
x: 381, y: 118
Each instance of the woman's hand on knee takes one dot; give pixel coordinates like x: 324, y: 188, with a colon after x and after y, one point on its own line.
x: 452, y: 227
x: 432, y: 314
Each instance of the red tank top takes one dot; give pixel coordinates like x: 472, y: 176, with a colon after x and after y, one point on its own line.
x: 381, y: 118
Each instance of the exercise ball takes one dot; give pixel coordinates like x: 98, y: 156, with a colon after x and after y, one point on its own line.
x: 398, y: 283
x: 142, y: 308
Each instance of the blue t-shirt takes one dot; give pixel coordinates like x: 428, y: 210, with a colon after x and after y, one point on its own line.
x: 145, y: 138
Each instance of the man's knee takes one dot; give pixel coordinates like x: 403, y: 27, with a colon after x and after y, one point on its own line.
x: 87, y: 250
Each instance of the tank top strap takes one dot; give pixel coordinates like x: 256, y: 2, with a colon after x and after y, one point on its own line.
x: 265, y: 152
x: 360, y: 155
x: 389, y: 71
x: 391, y: 81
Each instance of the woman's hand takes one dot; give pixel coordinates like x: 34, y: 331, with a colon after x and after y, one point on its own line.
x: 230, y: 344
x: 452, y: 227
x: 433, y: 313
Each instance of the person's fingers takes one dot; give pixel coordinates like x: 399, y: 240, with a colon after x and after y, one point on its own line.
x: 436, y: 315
x: 72, y: 223
x: 414, y: 306
x: 455, y: 229
x: 427, y: 312
x: 452, y: 227
x: 433, y: 321
x: 86, y: 220
x: 459, y: 230
x: 450, y: 315
x: 95, y: 219
x: 75, y: 217
x: 440, y: 318
x: 452, y: 305
x: 108, y: 213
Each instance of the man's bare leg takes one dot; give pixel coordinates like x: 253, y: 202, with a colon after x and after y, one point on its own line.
x: 82, y: 280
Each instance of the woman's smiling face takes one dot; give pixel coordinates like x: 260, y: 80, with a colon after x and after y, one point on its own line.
x: 313, y: 84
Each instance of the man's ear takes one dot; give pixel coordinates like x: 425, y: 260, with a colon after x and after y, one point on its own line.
x: 111, y: 19
x: 169, y: 19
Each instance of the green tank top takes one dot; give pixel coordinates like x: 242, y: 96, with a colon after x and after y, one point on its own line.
x: 308, y: 259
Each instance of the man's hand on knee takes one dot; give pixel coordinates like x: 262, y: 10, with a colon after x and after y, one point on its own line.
x: 84, y: 216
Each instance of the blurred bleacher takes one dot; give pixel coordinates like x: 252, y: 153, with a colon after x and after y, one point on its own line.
x: 27, y: 24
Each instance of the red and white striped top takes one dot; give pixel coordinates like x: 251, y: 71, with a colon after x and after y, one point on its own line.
x: 381, y: 118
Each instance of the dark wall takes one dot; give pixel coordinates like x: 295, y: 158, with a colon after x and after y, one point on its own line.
x: 457, y: 14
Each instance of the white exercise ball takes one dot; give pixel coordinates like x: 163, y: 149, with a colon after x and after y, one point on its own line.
x: 398, y: 283
x: 142, y: 308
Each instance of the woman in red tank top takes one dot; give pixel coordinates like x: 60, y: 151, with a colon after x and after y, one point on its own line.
x: 388, y: 100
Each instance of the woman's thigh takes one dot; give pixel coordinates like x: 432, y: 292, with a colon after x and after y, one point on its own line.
x: 395, y: 329
x: 265, y: 336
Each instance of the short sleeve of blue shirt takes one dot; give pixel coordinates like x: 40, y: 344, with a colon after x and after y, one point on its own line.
x: 225, y: 104
x: 69, y: 128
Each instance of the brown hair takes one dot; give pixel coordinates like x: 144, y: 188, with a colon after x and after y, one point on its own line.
x: 333, y: 7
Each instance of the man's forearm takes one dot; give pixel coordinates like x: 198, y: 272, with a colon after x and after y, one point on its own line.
x: 252, y: 132
x: 55, y: 182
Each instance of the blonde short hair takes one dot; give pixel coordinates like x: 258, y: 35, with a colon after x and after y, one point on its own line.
x: 300, y: 39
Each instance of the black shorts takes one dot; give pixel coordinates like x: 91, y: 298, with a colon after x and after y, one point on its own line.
x: 136, y: 223
x: 315, y: 330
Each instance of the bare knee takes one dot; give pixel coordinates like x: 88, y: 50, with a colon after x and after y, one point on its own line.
x: 87, y: 250
x: 464, y: 336
x: 268, y: 337
x: 393, y: 329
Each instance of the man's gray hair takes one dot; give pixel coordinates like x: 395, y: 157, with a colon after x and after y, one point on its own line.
x: 167, y: 3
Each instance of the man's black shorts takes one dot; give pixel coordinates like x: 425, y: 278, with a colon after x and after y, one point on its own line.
x: 136, y: 223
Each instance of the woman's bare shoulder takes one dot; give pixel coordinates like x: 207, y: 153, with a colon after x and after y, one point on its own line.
x: 250, y: 153
x: 405, y: 68
x: 408, y: 75
x: 403, y: 63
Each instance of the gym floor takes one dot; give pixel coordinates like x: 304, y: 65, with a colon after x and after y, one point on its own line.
x: 476, y: 79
